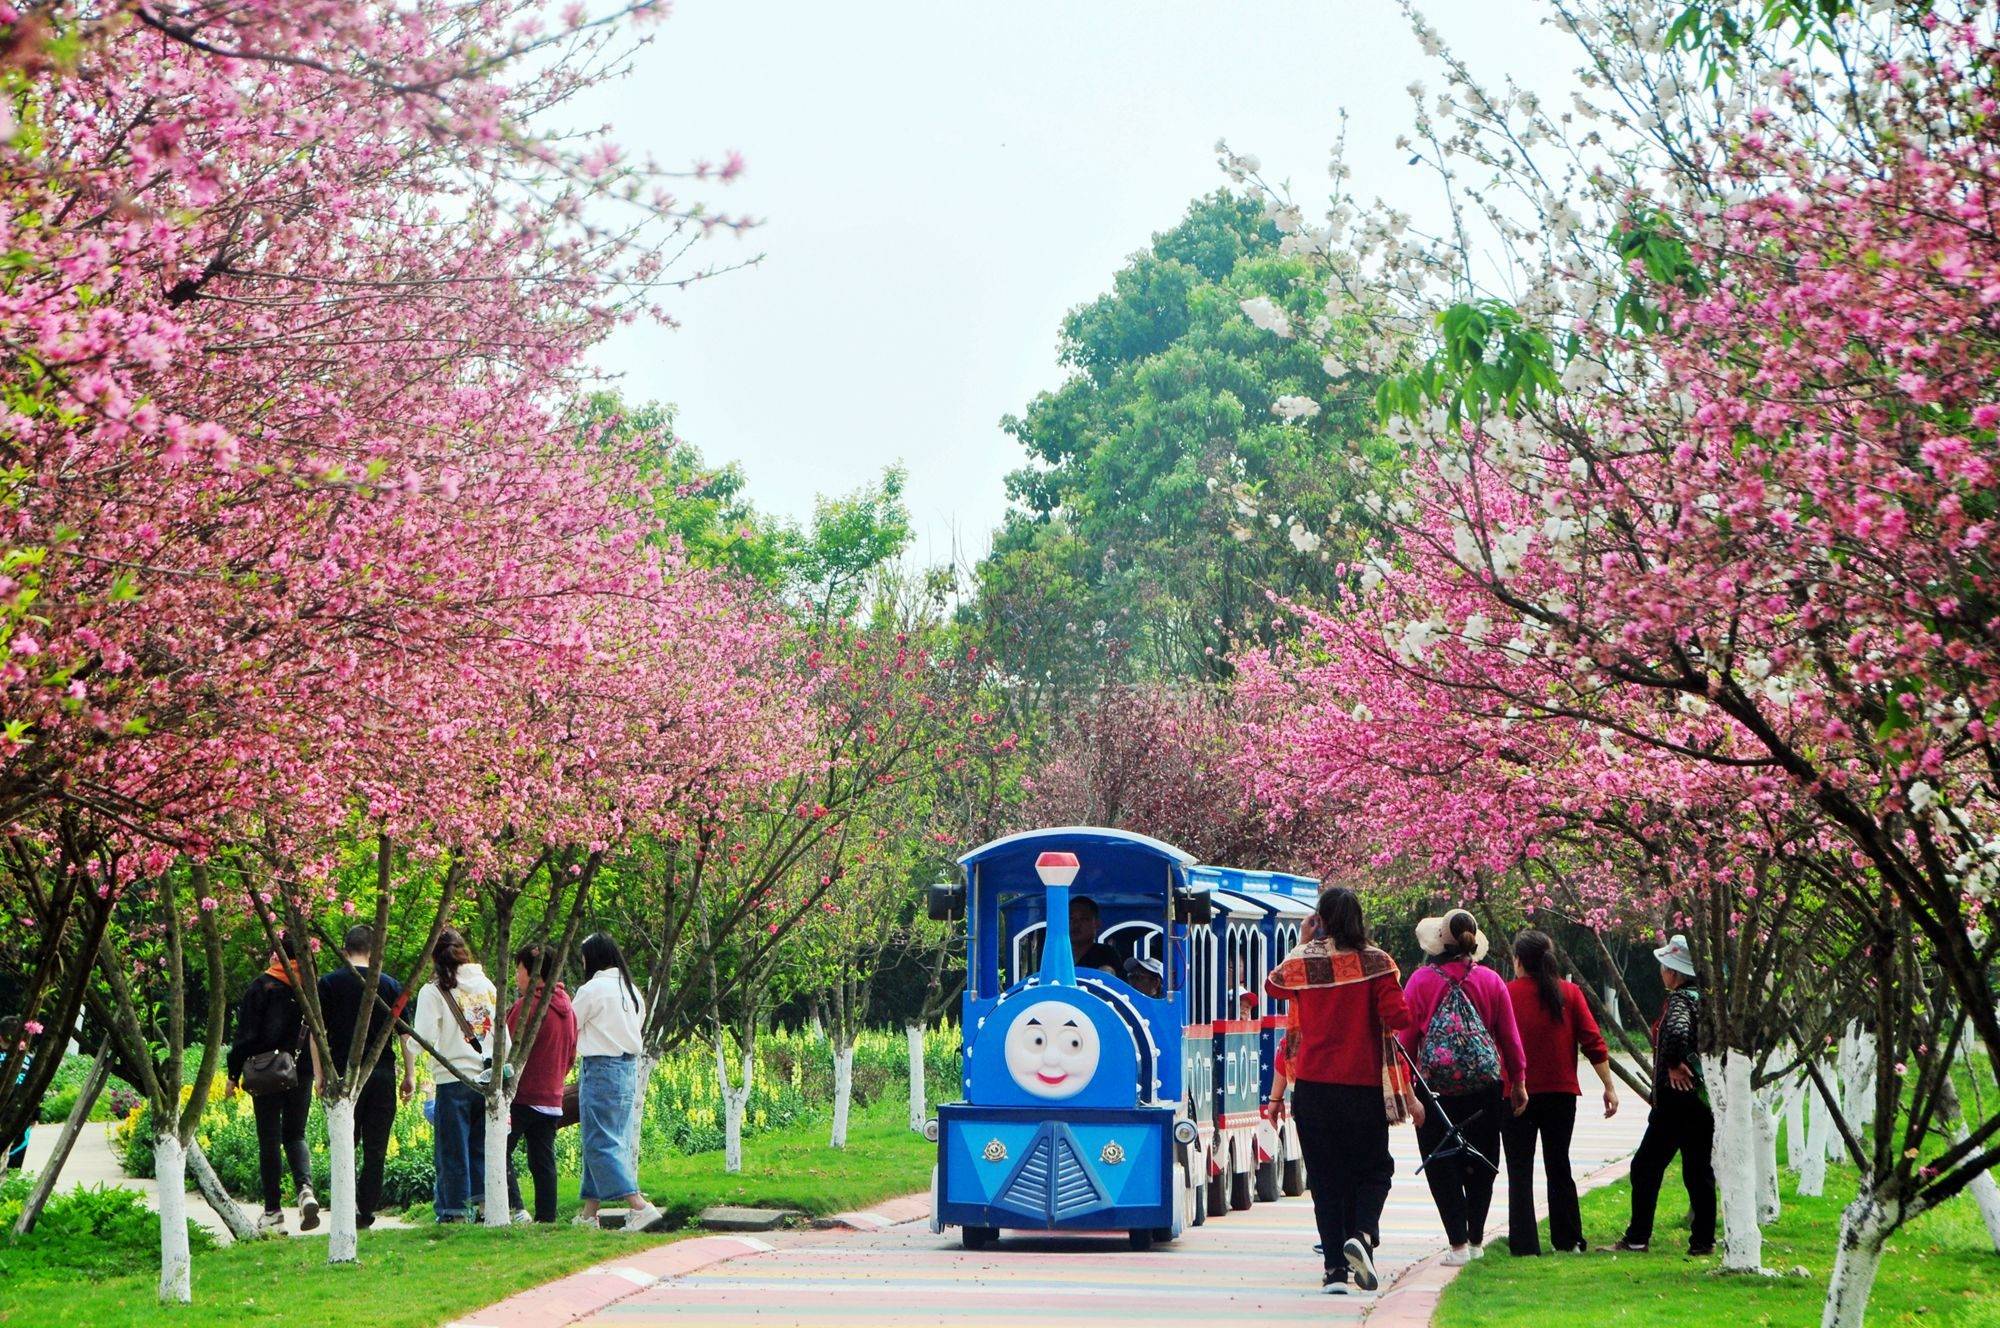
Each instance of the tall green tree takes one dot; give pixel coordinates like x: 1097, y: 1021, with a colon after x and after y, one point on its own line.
x: 1143, y: 536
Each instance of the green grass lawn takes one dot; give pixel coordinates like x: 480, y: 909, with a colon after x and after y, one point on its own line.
x: 418, y: 1278
x: 1940, y: 1271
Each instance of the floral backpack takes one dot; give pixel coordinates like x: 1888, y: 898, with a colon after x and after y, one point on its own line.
x: 1458, y: 1056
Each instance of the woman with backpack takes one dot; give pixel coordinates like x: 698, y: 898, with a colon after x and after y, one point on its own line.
x: 1467, y: 1050
x: 268, y: 1058
x: 609, y: 1027
x: 1347, y: 1086
x: 454, y: 1019
x: 1556, y: 1024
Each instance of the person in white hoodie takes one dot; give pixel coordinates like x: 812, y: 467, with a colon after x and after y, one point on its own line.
x: 608, y: 1030
x: 455, y: 1013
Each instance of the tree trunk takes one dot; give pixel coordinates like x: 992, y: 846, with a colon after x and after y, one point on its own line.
x: 1864, y: 1229
x: 843, y: 1089
x: 1795, y: 1122
x: 641, y: 1077
x: 735, y: 1101
x: 343, y: 1240
x: 915, y: 1034
x: 1764, y: 1123
x: 219, y: 1199
x: 1857, y: 1078
x: 1735, y: 1161
x: 176, y: 1263
x: 496, y: 1213
x: 45, y: 1183
x: 1819, y: 1132
x: 1985, y: 1191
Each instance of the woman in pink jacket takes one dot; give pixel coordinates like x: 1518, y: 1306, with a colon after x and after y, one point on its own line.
x: 1465, y: 1043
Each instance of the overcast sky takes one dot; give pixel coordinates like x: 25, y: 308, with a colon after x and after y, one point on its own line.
x: 941, y: 180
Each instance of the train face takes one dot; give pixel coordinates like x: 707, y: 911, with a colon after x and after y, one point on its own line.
x: 1076, y: 1114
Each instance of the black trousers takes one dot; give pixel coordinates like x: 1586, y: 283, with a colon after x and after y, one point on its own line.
x: 539, y: 1130
x: 1680, y: 1123
x: 1461, y: 1185
x: 1551, y: 1118
x: 374, y: 1118
x: 1344, y: 1137
x: 281, y: 1137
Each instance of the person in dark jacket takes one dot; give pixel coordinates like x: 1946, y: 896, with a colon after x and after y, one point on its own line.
x: 1681, y: 1121
x: 268, y: 1019
x: 538, y: 1098
x: 341, y: 993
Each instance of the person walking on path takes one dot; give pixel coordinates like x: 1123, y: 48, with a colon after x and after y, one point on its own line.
x: 608, y: 1032
x: 1347, y: 1085
x: 269, y: 1057
x: 341, y: 993
x: 1555, y: 1025
x: 455, y: 1014
x: 1681, y: 1120
x: 538, y: 1097
x: 1468, y: 1051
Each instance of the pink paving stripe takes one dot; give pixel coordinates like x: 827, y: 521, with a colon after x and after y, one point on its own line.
x: 605, y: 1284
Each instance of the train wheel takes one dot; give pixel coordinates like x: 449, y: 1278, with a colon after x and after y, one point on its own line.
x: 1240, y: 1197
x: 1197, y: 1201
x: 1267, y: 1181
x: 1294, y: 1183
x: 978, y: 1238
x: 1218, y: 1195
x: 1141, y: 1240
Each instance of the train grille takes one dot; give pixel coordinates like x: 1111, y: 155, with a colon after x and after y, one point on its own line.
x: 1052, y: 1179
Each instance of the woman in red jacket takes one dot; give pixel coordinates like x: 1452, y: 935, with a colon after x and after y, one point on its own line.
x: 538, y: 1101
x: 1555, y: 1023
x: 1348, y: 1086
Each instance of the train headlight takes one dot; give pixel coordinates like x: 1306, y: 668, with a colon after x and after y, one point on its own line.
x: 1186, y: 1132
x: 931, y: 1129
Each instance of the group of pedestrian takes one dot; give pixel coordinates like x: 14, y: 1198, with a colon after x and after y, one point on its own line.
x: 596, y: 1033
x: 1486, y: 1070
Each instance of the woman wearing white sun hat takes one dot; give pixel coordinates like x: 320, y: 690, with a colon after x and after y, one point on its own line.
x: 1681, y: 1120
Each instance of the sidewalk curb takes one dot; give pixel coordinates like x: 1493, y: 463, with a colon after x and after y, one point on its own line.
x: 1413, y: 1297
x: 585, y: 1292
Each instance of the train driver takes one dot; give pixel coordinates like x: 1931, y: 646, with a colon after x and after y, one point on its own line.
x: 1084, y: 947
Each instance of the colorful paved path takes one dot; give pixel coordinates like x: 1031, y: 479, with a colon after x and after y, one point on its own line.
x: 1253, y: 1267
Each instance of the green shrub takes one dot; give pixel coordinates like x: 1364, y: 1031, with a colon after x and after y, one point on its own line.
x: 91, y: 1233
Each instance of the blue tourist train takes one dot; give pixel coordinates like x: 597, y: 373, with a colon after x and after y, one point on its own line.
x: 1112, y: 1081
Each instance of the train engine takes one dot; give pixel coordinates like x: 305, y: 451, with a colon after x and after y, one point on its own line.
x: 1074, y: 1117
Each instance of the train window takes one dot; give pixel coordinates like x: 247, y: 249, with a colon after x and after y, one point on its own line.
x: 1026, y: 954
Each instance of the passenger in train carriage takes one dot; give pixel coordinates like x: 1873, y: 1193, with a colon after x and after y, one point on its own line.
x: 1148, y: 977
x: 1085, y: 949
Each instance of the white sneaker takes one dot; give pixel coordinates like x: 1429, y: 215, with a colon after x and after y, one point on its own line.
x: 1458, y: 1256
x: 1479, y: 1251
x: 643, y: 1219
x: 522, y: 1217
x: 1361, y: 1263
x: 308, y: 1209
x: 271, y: 1222
x: 581, y: 1221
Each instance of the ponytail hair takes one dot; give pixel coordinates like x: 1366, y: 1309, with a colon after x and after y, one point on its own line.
x: 601, y: 952
x: 447, y: 955
x: 1464, y: 934
x: 1340, y: 918
x: 1536, y: 954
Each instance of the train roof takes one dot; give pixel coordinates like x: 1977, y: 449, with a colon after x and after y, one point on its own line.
x: 1123, y: 842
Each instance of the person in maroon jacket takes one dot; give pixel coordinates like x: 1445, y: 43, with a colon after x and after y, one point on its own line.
x: 538, y: 1100
x: 1348, y: 1086
x: 1556, y: 1024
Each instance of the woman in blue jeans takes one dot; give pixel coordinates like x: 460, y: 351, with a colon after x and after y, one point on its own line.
x: 455, y: 1014
x: 609, y: 1028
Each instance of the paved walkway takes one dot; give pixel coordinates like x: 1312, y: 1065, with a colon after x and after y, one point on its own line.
x: 1256, y: 1266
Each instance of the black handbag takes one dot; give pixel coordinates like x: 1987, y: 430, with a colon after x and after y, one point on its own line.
x: 270, y: 1072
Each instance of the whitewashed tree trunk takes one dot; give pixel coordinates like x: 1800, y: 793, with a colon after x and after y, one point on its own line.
x: 915, y: 1034
x: 1795, y: 1122
x: 496, y: 1211
x: 843, y: 1092
x: 735, y: 1101
x: 1764, y: 1122
x: 642, y: 1075
x: 176, y: 1264
x: 1861, y: 1083
x: 1819, y: 1131
x: 1865, y: 1225
x: 218, y: 1198
x: 1985, y: 1191
x: 342, y: 1240
x: 1735, y: 1162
